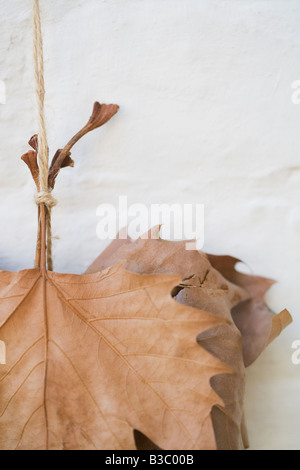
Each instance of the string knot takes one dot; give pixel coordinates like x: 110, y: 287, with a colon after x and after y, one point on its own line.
x: 45, y: 197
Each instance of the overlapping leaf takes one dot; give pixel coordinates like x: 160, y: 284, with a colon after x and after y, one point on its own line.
x: 211, y: 283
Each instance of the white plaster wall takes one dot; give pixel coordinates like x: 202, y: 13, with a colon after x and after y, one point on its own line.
x: 206, y: 117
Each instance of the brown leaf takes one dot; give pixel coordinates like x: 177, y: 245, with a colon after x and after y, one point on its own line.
x: 102, y: 113
x: 30, y: 158
x: 221, y: 291
x: 92, y: 359
x: 34, y: 142
x: 254, y: 319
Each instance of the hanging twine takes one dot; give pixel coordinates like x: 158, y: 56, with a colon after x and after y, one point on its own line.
x: 44, y: 195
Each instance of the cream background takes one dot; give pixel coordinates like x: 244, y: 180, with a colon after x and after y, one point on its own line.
x: 206, y: 116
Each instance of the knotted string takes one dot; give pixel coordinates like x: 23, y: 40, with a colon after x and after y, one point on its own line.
x: 44, y: 195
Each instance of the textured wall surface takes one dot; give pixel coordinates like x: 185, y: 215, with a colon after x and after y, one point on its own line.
x: 205, y: 89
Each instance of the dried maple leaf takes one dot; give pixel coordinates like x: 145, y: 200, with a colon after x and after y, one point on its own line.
x: 211, y: 283
x: 97, y: 360
x: 93, y: 357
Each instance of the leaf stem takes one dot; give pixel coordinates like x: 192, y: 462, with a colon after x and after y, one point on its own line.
x: 43, y: 259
